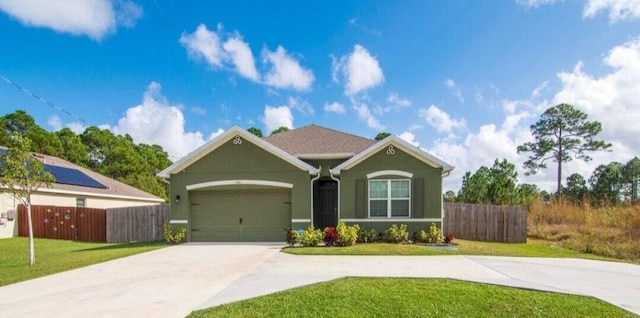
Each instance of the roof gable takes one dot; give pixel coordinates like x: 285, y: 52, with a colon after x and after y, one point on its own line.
x: 317, y: 142
x: 401, y: 144
x: 223, y: 138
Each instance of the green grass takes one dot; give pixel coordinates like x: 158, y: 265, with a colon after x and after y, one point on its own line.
x: 533, y: 248
x: 53, y: 256
x: 399, y: 297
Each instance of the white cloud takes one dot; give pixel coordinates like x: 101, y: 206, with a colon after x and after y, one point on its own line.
x: 612, y: 99
x: 216, y: 133
x: 276, y: 117
x: 221, y: 50
x: 364, y: 114
x: 394, y: 103
x: 301, y: 105
x: 455, y: 89
x: 440, y: 120
x: 395, y: 100
x: 94, y: 19
x: 360, y: 70
x: 334, y: 107
x: 198, y: 111
x: 156, y: 121
x: 241, y: 56
x: 285, y: 71
x: 618, y: 9
x: 204, y: 43
x: 55, y: 122
x: 409, y: 137
x: 535, y: 3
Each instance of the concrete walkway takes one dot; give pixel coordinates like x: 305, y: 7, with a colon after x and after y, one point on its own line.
x: 173, y: 281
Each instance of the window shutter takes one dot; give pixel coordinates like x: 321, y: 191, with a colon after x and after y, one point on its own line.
x: 361, y: 199
x: 417, y: 197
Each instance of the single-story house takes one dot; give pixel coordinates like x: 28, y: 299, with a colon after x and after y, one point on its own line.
x: 74, y: 186
x: 239, y: 187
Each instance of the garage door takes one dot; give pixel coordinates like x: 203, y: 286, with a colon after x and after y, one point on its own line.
x: 240, y: 216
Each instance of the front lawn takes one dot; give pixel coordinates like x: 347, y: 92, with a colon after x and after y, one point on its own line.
x: 533, y: 248
x: 401, y: 297
x: 53, y: 256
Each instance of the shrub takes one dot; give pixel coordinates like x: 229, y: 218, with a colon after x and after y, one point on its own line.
x: 396, y: 234
x: 420, y: 236
x: 347, y: 235
x: 434, y: 235
x: 448, y: 238
x: 311, y: 236
x: 174, y: 237
x: 291, y: 236
x: 368, y: 236
x: 330, y: 236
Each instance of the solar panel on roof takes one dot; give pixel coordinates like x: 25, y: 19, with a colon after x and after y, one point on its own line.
x: 71, y: 176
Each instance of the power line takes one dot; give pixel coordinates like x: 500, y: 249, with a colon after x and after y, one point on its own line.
x: 45, y: 101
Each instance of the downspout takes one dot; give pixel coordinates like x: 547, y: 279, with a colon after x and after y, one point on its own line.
x: 338, y: 181
x: 314, y: 179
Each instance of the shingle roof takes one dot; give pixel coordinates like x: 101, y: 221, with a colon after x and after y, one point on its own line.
x: 113, y: 187
x: 316, y: 141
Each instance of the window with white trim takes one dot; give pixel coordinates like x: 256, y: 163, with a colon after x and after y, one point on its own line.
x: 389, y: 198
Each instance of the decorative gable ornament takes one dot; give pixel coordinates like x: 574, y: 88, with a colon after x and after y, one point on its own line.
x: 237, y: 140
x: 391, y: 151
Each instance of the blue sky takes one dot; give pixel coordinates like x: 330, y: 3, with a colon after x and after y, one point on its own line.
x: 462, y: 79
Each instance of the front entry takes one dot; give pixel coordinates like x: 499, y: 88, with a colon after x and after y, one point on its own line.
x: 325, y: 204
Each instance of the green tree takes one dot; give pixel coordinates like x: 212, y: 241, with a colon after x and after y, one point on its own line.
x: 279, y: 130
x: 22, y: 123
x: 449, y: 196
x: 562, y: 133
x: 631, y: 178
x: 382, y: 135
x: 503, y: 178
x: 255, y: 131
x: 475, y: 186
x: 526, y: 193
x: 22, y: 175
x: 576, y: 189
x: 72, y: 148
x: 606, y: 183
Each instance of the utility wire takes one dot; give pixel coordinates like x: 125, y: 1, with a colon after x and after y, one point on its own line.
x: 45, y: 101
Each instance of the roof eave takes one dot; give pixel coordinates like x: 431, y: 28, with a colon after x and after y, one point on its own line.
x: 219, y: 140
x: 403, y: 145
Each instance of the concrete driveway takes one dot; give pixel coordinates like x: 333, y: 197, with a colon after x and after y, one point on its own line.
x: 173, y: 281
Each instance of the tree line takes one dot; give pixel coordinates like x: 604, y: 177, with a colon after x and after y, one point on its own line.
x: 562, y: 134
x: 115, y: 156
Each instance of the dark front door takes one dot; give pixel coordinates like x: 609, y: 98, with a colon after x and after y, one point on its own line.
x: 325, y: 211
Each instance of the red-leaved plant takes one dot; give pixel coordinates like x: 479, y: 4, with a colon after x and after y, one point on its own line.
x: 330, y: 236
x: 448, y: 238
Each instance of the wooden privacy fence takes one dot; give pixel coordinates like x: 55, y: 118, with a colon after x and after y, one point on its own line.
x: 143, y: 223
x: 95, y: 225
x: 489, y: 223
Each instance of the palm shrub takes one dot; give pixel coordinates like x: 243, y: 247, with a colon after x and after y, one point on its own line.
x: 347, y: 235
x: 311, y: 236
x: 396, y: 234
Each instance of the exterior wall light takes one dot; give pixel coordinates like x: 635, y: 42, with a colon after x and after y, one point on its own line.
x: 178, y: 198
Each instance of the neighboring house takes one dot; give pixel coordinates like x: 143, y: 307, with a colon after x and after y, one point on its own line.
x: 238, y: 187
x: 74, y: 186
